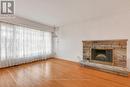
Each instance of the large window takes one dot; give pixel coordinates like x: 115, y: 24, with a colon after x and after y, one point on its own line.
x: 18, y: 42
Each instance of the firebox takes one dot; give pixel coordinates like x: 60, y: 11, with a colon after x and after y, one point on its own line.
x: 101, y: 55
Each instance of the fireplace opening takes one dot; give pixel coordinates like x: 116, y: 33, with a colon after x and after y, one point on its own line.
x: 103, y: 55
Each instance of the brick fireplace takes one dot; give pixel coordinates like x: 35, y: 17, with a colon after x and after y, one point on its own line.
x: 106, y: 52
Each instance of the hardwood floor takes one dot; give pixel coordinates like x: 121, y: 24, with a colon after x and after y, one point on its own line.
x: 58, y: 73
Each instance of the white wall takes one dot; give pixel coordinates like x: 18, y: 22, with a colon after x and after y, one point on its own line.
x: 102, y: 28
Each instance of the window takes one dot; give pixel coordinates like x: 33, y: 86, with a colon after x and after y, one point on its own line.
x: 18, y: 42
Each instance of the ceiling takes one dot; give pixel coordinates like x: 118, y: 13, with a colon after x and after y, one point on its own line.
x: 62, y: 12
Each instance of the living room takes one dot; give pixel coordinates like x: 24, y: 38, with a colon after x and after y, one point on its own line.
x: 65, y: 43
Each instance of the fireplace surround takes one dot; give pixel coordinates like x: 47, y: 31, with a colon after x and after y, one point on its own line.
x: 118, y: 47
x: 111, y: 54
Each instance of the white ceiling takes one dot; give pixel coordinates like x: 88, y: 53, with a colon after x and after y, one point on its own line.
x: 62, y: 12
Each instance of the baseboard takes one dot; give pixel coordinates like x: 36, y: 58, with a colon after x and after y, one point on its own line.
x: 66, y: 60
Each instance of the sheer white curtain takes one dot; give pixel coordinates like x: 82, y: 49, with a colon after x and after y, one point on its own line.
x: 20, y: 45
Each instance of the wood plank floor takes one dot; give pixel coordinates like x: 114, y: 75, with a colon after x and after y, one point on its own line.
x: 58, y: 73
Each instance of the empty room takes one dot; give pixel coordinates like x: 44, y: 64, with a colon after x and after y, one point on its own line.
x: 64, y: 43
